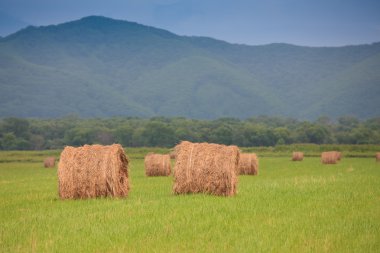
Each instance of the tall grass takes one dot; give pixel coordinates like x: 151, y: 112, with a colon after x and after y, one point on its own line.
x: 290, y: 207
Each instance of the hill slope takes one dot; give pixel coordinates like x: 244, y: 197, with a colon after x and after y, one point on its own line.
x: 102, y: 67
x: 9, y: 24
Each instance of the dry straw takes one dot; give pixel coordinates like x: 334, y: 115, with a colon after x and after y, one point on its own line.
x: 330, y: 157
x: 378, y: 157
x: 297, y: 156
x: 338, y: 155
x: 248, y: 164
x: 93, y: 171
x: 157, y: 165
x: 49, y: 162
x: 172, y: 154
x: 206, y: 168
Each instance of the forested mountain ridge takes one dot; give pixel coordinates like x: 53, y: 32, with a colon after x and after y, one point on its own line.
x: 100, y: 67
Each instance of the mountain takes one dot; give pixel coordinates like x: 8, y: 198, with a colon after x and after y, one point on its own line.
x: 10, y: 24
x: 98, y: 67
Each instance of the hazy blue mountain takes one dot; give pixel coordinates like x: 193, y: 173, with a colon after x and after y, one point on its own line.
x: 99, y: 67
x: 10, y: 24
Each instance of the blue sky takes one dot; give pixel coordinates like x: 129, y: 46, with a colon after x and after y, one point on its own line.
x: 254, y: 22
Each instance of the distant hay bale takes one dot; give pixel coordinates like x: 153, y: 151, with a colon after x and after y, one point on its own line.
x: 378, y: 157
x: 248, y: 164
x: 93, y: 171
x: 338, y: 155
x: 49, y: 162
x: 157, y: 165
x: 206, y: 168
x: 297, y: 156
x: 330, y: 157
x: 172, y: 154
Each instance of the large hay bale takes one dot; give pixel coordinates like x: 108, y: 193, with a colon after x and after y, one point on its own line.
x: 297, y: 156
x: 206, y: 168
x: 378, y: 157
x: 49, y: 162
x: 157, y: 165
x: 248, y: 164
x: 93, y: 171
x: 330, y: 157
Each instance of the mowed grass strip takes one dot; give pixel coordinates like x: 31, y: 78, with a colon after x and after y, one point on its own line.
x: 289, y: 207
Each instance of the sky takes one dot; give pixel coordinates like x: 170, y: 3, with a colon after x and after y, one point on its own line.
x: 252, y: 22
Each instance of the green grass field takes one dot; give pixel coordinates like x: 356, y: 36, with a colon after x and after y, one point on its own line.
x: 290, y: 207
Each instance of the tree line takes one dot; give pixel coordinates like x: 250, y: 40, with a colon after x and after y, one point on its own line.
x: 38, y: 134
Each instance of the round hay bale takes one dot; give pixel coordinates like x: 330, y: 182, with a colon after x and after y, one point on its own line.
x: 157, y: 165
x: 297, y: 156
x: 248, y: 164
x: 206, y: 168
x: 172, y: 154
x: 93, y: 171
x: 338, y: 155
x: 330, y: 157
x: 378, y: 157
x: 49, y: 162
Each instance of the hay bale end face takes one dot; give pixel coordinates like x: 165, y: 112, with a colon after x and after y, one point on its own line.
x: 378, y: 157
x: 49, y: 162
x: 330, y: 157
x: 206, y: 168
x: 93, y: 171
x: 157, y: 165
x: 297, y: 156
x: 248, y: 164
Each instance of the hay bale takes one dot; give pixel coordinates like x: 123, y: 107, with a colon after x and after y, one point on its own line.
x: 49, y: 162
x: 172, y: 154
x: 338, y: 155
x: 378, y: 157
x: 93, y: 171
x: 157, y: 165
x: 248, y: 164
x: 206, y: 168
x: 297, y: 156
x: 330, y: 157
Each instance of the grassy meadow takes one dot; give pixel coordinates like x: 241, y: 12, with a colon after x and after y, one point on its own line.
x: 290, y: 207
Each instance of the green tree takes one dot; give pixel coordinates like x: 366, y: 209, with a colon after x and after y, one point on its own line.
x: 138, y: 138
x: 9, y: 141
x: 317, y: 134
x: 347, y: 123
x: 79, y: 136
x: 185, y: 133
x: 20, y: 127
x: 104, y: 136
x: 159, y: 134
x: 222, y: 134
x: 124, y: 135
x: 282, y: 135
x: 37, y: 142
x: 361, y: 135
